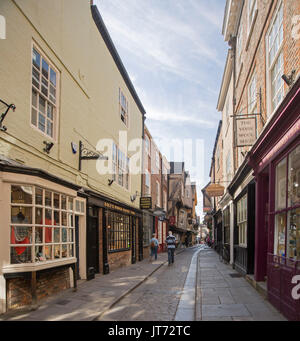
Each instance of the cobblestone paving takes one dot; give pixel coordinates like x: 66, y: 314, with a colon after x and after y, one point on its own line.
x: 158, y: 297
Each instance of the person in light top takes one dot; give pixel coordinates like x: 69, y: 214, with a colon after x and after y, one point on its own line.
x: 171, y: 244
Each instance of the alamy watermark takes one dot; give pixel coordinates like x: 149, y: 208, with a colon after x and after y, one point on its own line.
x: 296, y: 288
x: 2, y: 27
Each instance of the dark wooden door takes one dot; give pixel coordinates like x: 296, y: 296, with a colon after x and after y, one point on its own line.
x: 92, y: 245
x: 77, y: 244
x: 141, y: 237
x: 104, y: 244
x: 133, y: 240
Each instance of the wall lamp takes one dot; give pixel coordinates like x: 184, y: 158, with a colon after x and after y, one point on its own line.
x: 110, y: 182
x: 133, y: 197
x: 289, y: 79
x: 48, y: 147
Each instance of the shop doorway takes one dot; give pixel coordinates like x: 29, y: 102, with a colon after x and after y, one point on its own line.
x: 133, y: 240
x: 77, y: 245
x: 92, y: 243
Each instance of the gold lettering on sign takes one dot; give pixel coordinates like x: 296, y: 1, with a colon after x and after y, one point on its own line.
x: 118, y: 208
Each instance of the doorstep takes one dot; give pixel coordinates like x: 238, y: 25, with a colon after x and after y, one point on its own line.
x: 261, y: 287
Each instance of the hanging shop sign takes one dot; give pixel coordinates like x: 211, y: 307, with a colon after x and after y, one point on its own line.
x: 245, y: 131
x: 146, y: 203
x: 214, y: 190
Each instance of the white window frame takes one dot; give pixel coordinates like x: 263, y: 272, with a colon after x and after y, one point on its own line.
x: 242, y: 220
x: 120, y: 167
x: 68, y: 211
x: 269, y: 66
x: 147, y: 145
x: 252, y: 7
x: 158, y: 203
x: 49, y: 99
x: 239, y: 47
x: 252, y: 94
x: 147, y: 178
x: 123, y: 108
x: 157, y: 159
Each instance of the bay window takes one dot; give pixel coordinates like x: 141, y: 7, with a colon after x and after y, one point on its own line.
x: 41, y: 225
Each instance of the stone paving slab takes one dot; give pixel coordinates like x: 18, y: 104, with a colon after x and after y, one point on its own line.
x: 227, y: 298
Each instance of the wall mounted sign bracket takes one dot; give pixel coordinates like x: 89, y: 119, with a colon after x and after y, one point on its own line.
x: 86, y: 154
x: 3, y: 115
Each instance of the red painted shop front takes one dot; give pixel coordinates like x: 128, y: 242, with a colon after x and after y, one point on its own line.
x: 275, y: 158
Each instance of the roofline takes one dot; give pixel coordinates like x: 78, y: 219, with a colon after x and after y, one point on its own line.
x: 114, y: 53
x: 215, y: 146
x: 225, y: 81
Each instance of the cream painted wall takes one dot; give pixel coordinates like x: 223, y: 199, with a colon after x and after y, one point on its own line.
x: 89, y: 90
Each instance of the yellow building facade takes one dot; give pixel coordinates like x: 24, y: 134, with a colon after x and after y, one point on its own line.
x: 60, y: 69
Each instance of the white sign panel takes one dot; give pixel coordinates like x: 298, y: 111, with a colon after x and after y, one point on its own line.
x: 245, y: 131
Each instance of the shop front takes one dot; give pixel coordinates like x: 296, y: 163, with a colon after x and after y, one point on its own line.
x: 42, y: 221
x: 114, y: 235
x: 242, y: 190
x: 275, y: 159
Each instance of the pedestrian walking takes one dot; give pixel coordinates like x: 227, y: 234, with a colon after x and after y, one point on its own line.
x: 153, y: 247
x: 171, y: 242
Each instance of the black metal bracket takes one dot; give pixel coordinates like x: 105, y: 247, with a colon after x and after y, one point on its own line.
x: 3, y: 115
x: 86, y: 154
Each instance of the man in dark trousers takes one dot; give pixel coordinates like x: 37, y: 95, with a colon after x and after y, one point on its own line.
x: 171, y: 243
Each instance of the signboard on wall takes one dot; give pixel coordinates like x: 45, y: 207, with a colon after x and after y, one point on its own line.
x: 145, y: 203
x: 245, y: 131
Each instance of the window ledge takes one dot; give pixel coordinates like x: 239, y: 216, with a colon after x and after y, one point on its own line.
x: 29, y: 267
x: 251, y: 29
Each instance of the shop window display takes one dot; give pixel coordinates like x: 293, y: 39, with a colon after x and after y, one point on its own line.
x: 39, y: 227
x: 287, y: 195
x: 118, y: 231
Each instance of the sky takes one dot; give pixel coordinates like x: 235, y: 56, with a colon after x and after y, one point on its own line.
x: 174, y: 53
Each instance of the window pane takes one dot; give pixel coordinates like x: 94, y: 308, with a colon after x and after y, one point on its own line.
x: 71, y: 250
x: 53, y: 77
x: 39, y: 216
x: 64, y: 252
x: 63, y: 202
x: 21, y: 194
x: 45, y: 69
x: 21, y: 215
x: 293, y: 243
x: 64, y: 219
x: 56, y: 200
x: 48, y: 198
x: 56, y: 218
x: 48, y: 234
x: 39, y: 235
x: 48, y: 217
x: 20, y: 255
x: 42, y: 106
x: 34, y: 117
x: 280, y: 196
x: 64, y: 236
x: 49, y: 128
x: 41, y: 122
x: 21, y: 235
x: 38, y: 196
x: 57, y: 251
x: 279, y: 235
x: 39, y: 254
x: 294, y: 178
x: 48, y: 252
x: 34, y: 98
x: 57, y: 235
x: 36, y: 58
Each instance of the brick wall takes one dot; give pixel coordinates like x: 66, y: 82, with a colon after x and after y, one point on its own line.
x: 119, y: 259
x: 49, y: 282
x: 254, y: 55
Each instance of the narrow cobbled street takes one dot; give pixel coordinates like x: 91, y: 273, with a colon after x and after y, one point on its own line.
x: 196, y: 287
